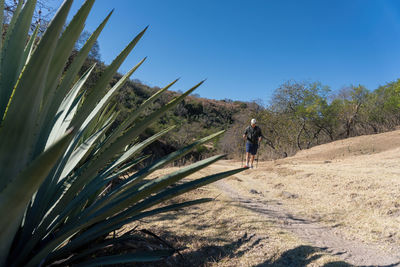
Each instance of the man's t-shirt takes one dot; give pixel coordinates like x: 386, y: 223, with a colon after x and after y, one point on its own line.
x: 253, y: 134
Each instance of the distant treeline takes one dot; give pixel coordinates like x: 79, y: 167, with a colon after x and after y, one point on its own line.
x: 302, y: 114
x: 299, y: 115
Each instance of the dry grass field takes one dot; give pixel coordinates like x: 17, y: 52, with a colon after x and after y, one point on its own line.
x: 337, y: 204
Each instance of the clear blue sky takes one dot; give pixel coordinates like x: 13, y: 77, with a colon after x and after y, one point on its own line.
x: 246, y: 49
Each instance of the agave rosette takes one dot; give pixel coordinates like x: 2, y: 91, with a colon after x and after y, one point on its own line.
x: 55, y: 157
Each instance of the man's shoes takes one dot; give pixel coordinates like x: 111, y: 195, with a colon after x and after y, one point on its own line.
x: 248, y: 166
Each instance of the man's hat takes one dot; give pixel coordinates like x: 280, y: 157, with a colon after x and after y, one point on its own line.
x: 253, y: 121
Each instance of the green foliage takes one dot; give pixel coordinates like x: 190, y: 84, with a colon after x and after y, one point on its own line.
x: 59, y: 153
x: 303, y: 114
x: 384, y: 104
x: 304, y: 104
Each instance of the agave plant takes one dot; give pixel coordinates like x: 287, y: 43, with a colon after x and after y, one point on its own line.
x: 56, y: 160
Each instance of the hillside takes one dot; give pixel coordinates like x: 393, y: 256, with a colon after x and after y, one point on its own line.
x: 361, y: 145
x: 195, y: 117
x: 332, y: 205
x: 299, y: 115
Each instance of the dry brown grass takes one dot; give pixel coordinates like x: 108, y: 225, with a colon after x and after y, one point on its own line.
x: 352, y: 186
x: 223, y: 233
x: 359, y: 193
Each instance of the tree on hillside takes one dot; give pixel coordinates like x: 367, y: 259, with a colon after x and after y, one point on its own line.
x: 351, y: 102
x: 384, y: 106
x: 303, y: 103
x: 329, y: 122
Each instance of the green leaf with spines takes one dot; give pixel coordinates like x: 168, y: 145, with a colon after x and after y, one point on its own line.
x: 12, y: 53
x: 79, y: 153
x: 136, y: 178
x: 29, y: 48
x: 126, y: 123
x: 137, y: 148
x: 99, y: 89
x: 69, y: 77
x: 63, y: 50
x: 133, y: 196
x: 86, y: 180
x: 19, y: 126
x: 38, y: 208
x: 17, y: 193
x: 62, y: 211
x: 126, y: 167
x: 135, y: 131
x: 140, y: 175
x: 1, y: 26
x: 100, y: 229
x: 60, y: 125
x: 11, y: 25
x: 82, y: 179
x: 173, y: 192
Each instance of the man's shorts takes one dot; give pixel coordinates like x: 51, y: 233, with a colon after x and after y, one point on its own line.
x: 251, y: 148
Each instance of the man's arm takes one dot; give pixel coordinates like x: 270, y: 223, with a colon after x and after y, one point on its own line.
x: 260, y: 135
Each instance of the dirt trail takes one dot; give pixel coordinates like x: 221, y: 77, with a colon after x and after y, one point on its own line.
x: 343, y: 197
x: 351, y: 251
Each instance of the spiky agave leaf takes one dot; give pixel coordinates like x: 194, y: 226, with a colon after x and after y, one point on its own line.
x: 20, y: 121
x: 12, y: 51
x: 17, y: 193
x: 58, y: 183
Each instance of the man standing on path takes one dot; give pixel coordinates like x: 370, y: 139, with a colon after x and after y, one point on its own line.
x: 253, y: 136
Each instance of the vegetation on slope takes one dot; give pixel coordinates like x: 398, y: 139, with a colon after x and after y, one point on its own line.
x: 300, y: 115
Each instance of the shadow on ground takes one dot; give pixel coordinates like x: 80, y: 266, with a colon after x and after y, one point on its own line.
x: 213, y: 253
x: 209, y: 255
x: 223, y: 247
x: 301, y: 256
x: 304, y: 255
x: 206, y: 255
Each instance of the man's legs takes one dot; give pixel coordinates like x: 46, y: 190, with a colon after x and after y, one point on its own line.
x: 247, y: 159
x: 253, y: 153
x: 248, y: 150
x: 252, y: 160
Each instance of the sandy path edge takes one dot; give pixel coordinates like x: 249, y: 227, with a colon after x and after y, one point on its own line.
x: 351, y: 251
